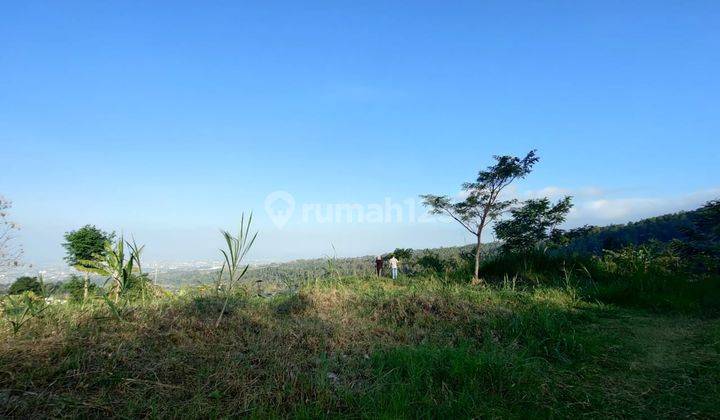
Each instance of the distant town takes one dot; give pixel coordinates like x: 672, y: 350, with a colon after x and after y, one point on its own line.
x: 59, y: 272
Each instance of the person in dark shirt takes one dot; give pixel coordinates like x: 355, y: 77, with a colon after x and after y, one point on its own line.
x: 378, y: 265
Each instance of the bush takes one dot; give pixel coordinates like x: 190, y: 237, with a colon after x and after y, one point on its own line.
x: 651, y: 276
x: 534, y: 266
x: 433, y: 264
x: 75, y: 288
x: 26, y: 284
x: 643, y: 259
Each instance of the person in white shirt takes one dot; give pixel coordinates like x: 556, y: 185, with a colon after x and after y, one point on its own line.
x: 394, y: 266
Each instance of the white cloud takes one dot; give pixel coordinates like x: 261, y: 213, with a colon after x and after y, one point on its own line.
x: 600, y: 206
x: 552, y: 192
x: 555, y: 192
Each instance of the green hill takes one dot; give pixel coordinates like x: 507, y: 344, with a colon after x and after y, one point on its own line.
x: 593, y: 239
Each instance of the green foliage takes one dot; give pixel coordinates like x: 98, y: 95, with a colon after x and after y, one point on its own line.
x: 701, y: 247
x: 19, y: 309
x: 82, y: 248
x: 119, y: 267
x: 643, y: 259
x: 402, y: 253
x: 691, y: 235
x: 431, y: 263
x: 75, y: 288
x: 650, y: 276
x: 532, y: 223
x: 115, y: 310
x: 482, y: 204
x: 26, y: 284
x: 708, y: 221
x: 84, y: 245
x: 594, y: 239
x: 234, y: 255
x: 332, y: 270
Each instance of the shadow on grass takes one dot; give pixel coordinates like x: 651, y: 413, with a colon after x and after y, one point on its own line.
x: 671, y: 294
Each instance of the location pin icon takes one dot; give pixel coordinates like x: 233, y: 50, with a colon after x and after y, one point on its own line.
x: 280, y: 205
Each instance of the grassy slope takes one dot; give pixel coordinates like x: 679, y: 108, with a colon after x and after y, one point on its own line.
x: 366, y: 348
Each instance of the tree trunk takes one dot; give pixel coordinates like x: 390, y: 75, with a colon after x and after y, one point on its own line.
x: 86, y: 286
x: 477, y: 255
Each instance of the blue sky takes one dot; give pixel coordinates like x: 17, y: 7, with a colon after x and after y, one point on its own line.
x: 169, y: 119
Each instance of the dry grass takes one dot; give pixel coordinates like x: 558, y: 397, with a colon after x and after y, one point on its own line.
x: 351, y: 347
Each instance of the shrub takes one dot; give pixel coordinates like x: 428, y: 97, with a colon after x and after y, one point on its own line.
x: 75, y: 288
x: 432, y: 263
x: 643, y: 259
x: 20, y: 309
x: 26, y: 284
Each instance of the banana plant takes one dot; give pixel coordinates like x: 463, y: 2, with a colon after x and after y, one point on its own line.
x: 234, y: 255
x: 113, y: 264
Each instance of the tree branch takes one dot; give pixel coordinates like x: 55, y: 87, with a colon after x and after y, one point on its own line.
x: 459, y: 221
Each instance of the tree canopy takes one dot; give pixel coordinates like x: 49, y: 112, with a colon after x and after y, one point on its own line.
x: 531, y: 223
x: 84, y: 244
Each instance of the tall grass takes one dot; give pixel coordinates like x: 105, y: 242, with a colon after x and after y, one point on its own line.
x: 633, y: 276
x: 237, y: 248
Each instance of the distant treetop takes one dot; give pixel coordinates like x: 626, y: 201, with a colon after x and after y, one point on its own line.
x: 83, y: 244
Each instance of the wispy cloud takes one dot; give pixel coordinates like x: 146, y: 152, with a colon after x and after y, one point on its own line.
x: 554, y: 192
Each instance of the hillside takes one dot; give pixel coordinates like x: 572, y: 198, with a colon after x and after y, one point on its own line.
x: 593, y: 239
x: 365, y: 348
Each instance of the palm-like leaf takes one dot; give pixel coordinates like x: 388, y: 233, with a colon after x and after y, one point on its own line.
x: 113, y: 264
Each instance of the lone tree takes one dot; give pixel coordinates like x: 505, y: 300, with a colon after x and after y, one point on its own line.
x: 84, y: 245
x: 10, y: 250
x: 483, y: 204
x: 532, y: 223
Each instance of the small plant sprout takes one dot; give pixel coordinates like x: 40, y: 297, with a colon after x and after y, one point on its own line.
x: 234, y: 255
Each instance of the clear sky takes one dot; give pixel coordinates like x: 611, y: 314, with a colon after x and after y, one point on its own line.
x: 168, y: 119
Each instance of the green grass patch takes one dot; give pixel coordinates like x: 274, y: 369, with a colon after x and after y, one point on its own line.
x: 362, y: 347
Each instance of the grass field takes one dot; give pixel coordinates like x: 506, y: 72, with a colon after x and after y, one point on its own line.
x: 365, y: 348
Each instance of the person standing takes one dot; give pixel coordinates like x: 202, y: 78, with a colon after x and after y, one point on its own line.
x: 378, y: 265
x: 394, y: 267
